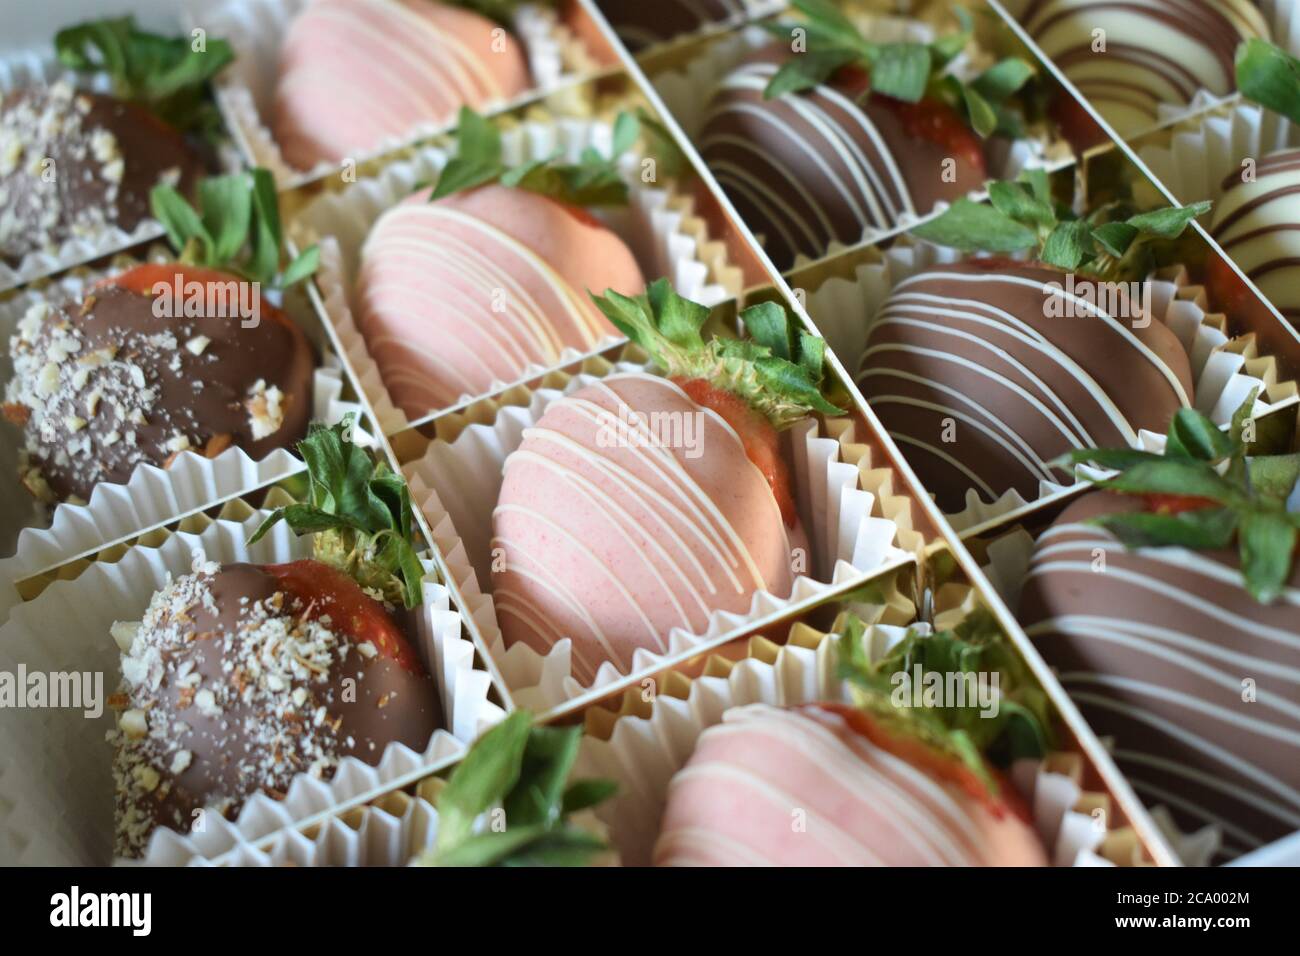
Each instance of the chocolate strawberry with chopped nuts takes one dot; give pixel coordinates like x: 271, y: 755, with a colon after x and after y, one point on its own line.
x: 166, y: 358
x: 242, y: 676
x: 75, y: 162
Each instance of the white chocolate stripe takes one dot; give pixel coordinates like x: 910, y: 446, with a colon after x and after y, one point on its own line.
x: 1113, y: 628
x: 821, y: 829
x: 978, y: 369
x: 705, y: 515
x: 625, y: 479
x: 975, y: 479
x: 620, y: 519
x: 872, y: 192
x: 1078, y: 302
x: 1031, y: 462
x: 1179, y: 732
x: 937, y: 825
x: 891, y: 316
x: 561, y: 589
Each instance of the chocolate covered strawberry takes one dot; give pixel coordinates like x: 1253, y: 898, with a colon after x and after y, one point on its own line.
x: 872, y: 783
x: 76, y: 163
x: 986, y: 371
x: 644, y: 503
x: 473, y: 282
x: 242, y: 676
x: 166, y: 357
x: 826, y: 134
x: 1167, y: 602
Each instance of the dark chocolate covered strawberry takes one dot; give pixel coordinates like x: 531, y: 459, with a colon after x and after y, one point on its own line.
x: 167, y: 357
x: 643, y: 503
x: 1168, y: 605
x: 74, y: 163
x: 844, y: 134
x: 242, y: 676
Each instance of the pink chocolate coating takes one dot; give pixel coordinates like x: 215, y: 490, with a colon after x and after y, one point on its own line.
x: 471, y: 289
x: 354, y: 73
x: 776, y: 787
x: 613, y: 540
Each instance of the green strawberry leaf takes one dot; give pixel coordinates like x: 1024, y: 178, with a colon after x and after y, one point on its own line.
x: 901, y: 70
x: 523, y: 769
x: 1167, y: 223
x: 974, y: 227
x: 1017, y: 201
x: 360, y: 513
x: 236, y: 228
x: 1067, y: 245
x: 777, y: 370
x: 1257, y: 497
x: 166, y: 75
x: 1201, y: 529
x: 594, y: 180
x: 1193, y: 435
x: 1115, y: 237
x: 1270, y: 77
x: 1267, y: 546
x: 805, y: 71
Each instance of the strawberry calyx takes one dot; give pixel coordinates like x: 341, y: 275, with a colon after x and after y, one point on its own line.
x: 594, y: 180
x: 909, y: 72
x: 358, y: 511
x: 1205, y: 492
x: 759, y: 385
x: 235, y: 228
x: 962, y: 741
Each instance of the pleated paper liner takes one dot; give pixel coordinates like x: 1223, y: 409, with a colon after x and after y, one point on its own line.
x: 35, y: 536
x: 256, y: 30
x: 659, y: 226
x: 1224, y: 369
x: 687, y: 91
x: 1206, y: 150
x: 856, y: 523
x: 643, y: 745
x: 39, y: 67
x: 57, y: 791
x: 392, y: 830
x: 1005, y: 558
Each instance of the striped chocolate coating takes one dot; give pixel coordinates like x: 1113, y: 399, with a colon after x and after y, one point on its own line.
x: 799, y: 787
x: 614, y: 528
x: 355, y: 73
x: 809, y: 169
x: 986, y: 373
x: 640, y: 24
x: 1258, y: 225
x: 1156, y: 51
x: 1156, y: 647
x: 458, y: 294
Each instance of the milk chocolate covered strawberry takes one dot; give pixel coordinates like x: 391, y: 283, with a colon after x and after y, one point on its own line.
x: 240, y: 676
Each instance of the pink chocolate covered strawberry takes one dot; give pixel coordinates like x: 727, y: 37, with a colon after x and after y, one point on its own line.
x: 644, y: 503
